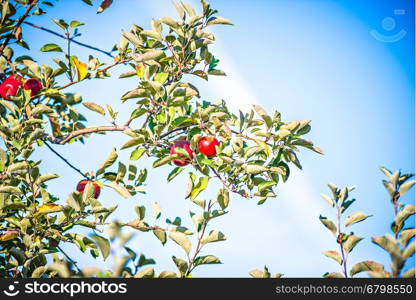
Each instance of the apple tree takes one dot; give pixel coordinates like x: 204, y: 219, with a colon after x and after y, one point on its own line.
x: 248, y: 154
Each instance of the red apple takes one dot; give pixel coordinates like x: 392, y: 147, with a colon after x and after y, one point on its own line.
x: 81, y: 187
x: 10, y: 86
x: 206, y: 145
x: 33, y: 85
x: 184, y: 145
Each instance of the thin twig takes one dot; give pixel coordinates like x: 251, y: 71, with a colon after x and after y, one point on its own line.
x: 70, y: 259
x: 174, y: 130
x: 16, y: 27
x: 65, y: 160
x: 344, y: 258
x: 99, y: 70
x: 199, y: 245
x: 226, y: 184
x: 71, y: 76
x: 70, y: 39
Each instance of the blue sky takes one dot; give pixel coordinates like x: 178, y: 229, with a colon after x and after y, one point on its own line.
x: 308, y: 59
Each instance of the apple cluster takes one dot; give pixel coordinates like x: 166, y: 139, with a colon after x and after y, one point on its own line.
x: 206, y: 145
x: 10, y: 86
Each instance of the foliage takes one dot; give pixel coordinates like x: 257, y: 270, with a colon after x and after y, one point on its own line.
x: 255, y: 152
x: 400, y: 247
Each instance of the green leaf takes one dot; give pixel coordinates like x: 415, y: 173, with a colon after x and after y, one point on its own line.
x: 409, y: 250
x: 390, y: 188
x: 388, y: 243
x: 386, y: 172
x: 200, y: 203
x: 94, y: 107
x: 217, y: 72
x: 151, y: 34
x: 256, y: 273
x: 120, y: 189
x: 145, y: 261
x: 51, y: 48
x: 146, y: 273
x: 131, y: 143
x: 200, y: 186
x: 179, y: 9
x: 150, y: 55
x: 168, y: 274
x: 170, y: 22
x: 198, y: 220
x: 156, y: 209
x: 255, y: 169
x: 75, y: 24
x: 180, y: 121
x: 328, y: 224
x: 223, y: 198
x: 61, y: 23
x: 346, y: 204
x: 219, y: 21
x: 75, y: 201
x: 137, y: 153
x: 39, y: 271
x: 89, y: 192
x: 9, y: 190
x: 333, y: 275
x: 182, y: 240
x: 181, y: 264
x: 21, y: 165
x: 132, y: 171
x: 406, y: 235
x: 213, y: 236
x: 82, y: 69
x: 404, y: 214
x: 175, y: 172
x: 162, y: 161
x: 103, y: 244
x: 366, y: 266
x: 334, y: 255
x: 328, y: 199
x: 110, y: 159
x: 355, y: 218
x: 265, y: 185
x: 161, y: 235
x: 409, y: 273
x: 41, y: 109
x: 351, y: 242
x: 121, y: 172
x: 140, y: 211
x: 136, y: 93
x: 206, y: 260
x: 263, y: 114
x: 161, y: 77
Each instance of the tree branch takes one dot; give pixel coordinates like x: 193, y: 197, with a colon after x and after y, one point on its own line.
x: 19, y: 22
x: 74, y: 134
x: 65, y: 160
x: 67, y: 38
